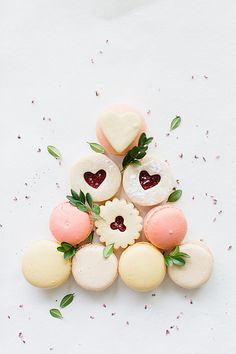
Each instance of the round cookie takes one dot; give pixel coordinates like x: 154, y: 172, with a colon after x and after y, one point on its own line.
x: 120, y: 223
x: 165, y: 226
x: 69, y: 224
x: 119, y: 128
x: 150, y: 183
x: 197, y: 269
x: 142, y: 267
x: 98, y: 175
x: 43, y: 266
x: 91, y: 270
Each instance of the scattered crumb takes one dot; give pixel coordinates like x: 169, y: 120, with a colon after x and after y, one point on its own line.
x: 57, y: 185
x: 145, y: 307
x: 51, y: 348
x: 181, y: 155
x: 92, y: 61
x: 39, y: 150
x: 100, y: 52
x: 155, y: 145
x: 217, y: 157
x: 27, y: 197
x: 127, y: 322
x: 167, y: 332
x: 204, y: 159
x: 196, y: 157
x: 207, y: 133
x: 104, y: 305
x: 229, y: 248
x: 167, y: 134
x: 18, y: 136
x: 171, y: 327
x: 15, y: 199
x: 21, y: 306
x: 153, y: 294
x: 193, y: 198
x: 26, y: 184
x: 192, y: 77
x: 97, y: 93
x: 214, y: 220
x: 220, y: 212
x: 9, y: 317
x: 107, y: 41
x: 20, y: 335
x: 32, y: 101
x: 205, y: 77
x: 44, y: 118
x: 149, y: 112
x: 49, y: 119
x: 178, y: 181
x: 191, y: 301
x: 113, y: 313
x: 91, y: 317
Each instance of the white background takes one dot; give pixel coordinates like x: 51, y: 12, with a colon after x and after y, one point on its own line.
x: 169, y: 57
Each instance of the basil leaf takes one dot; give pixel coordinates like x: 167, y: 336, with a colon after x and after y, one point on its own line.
x: 174, y: 196
x: 60, y: 249
x: 90, y: 238
x: 142, y: 140
x: 108, y: 250
x: 81, y: 206
x: 97, y: 148
x: 134, y: 151
x: 175, y: 123
x: 136, y: 163
x: 175, y: 251
x: 72, y: 200
x: 54, y: 152
x: 82, y: 197
x: 69, y: 254
x: 74, y: 195
x: 67, y: 300
x: 168, y: 261
x: 55, y: 313
x: 89, y: 200
x: 148, y: 141
x: 66, y: 246
x: 178, y: 261
x: 184, y: 255
x: 96, y: 209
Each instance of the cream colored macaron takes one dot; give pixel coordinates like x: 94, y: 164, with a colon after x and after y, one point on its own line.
x: 91, y: 270
x: 142, y: 267
x: 197, y: 269
x: 44, y: 266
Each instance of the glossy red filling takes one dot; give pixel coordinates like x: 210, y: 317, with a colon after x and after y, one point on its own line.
x: 118, y: 224
x: 147, y: 181
x: 95, y: 180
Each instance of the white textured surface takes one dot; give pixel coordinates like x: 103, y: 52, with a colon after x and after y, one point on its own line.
x: 154, y: 48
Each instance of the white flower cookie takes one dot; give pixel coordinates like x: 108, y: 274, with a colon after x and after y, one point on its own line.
x: 120, y: 223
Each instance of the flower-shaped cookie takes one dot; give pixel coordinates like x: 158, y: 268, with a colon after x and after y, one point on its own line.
x: 120, y: 223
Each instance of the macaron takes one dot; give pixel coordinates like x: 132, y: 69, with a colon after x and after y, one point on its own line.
x: 44, y: 266
x: 165, y: 226
x: 142, y: 267
x: 69, y: 224
x: 150, y: 183
x: 98, y: 175
x: 91, y: 270
x: 120, y: 223
x: 119, y: 128
x: 197, y: 269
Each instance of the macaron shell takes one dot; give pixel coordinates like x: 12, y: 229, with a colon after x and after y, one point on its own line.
x: 44, y: 266
x: 120, y: 109
x: 165, y: 226
x: 91, y: 270
x: 198, y: 267
x: 69, y: 224
x: 142, y: 267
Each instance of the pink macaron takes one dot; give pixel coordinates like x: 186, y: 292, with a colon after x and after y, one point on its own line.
x: 69, y: 224
x: 165, y: 226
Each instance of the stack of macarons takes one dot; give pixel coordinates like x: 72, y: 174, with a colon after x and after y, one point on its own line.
x: 142, y: 265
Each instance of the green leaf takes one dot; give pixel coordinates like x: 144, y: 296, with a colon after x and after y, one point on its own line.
x: 142, y: 140
x: 74, y: 195
x: 175, y: 123
x: 60, y: 249
x: 174, y: 196
x: 55, y: 313
x: 66, y: 246
x: 148, y: 141
x: 96, y: 209
x: 175, y: 251
x: 82, y: 207
x: 136, y: 163
x: 108, y: 250
x: 69, y: 254
x: 82, y: 197
x: 89, y: 200
x: 97, y: 148
x: 90, y: 237
x: 168, y: 261
x: 183, y: 255
x: 67, y: 300
x: 54, y: 152
x: 134, y: 152
x: 178, y: 261
x: 71, y: 200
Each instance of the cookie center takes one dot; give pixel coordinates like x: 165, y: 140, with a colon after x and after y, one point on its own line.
x: 118, y: 224
x: 147, y: 181
x: 94, y: 180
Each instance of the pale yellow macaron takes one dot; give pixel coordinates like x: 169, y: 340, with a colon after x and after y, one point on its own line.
x: 142, y: 267
x: 197, y: 269
x: 44, y: 266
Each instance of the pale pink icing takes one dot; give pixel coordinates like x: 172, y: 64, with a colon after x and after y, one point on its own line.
x: 69, y: 224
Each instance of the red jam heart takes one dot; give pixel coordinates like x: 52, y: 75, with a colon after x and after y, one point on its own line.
x: 118, y: 224
x: 95, y: 180
x: 148, y: 181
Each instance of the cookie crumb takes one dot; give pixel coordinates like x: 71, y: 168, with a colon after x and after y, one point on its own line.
x: 229, y: 247
x: 167, y: 332
x: 97, y: 93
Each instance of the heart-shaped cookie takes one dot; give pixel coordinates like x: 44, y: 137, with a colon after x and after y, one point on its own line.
x: 147, y: 181
x: 95, y: 179
x: 120, y: 129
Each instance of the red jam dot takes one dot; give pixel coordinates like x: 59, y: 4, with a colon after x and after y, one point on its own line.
x: 95, y: 180
x: 147, y: 181
x: 118, y: 224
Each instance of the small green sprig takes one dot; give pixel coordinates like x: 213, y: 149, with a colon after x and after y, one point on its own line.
x: 175, y: 123
x: 137, y: 152
x: 108, y: 250
x: 70, y: 250
x: 175, y: 196
x: 79, y: 200
x: 176, y: 257
x: 97, y: 148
